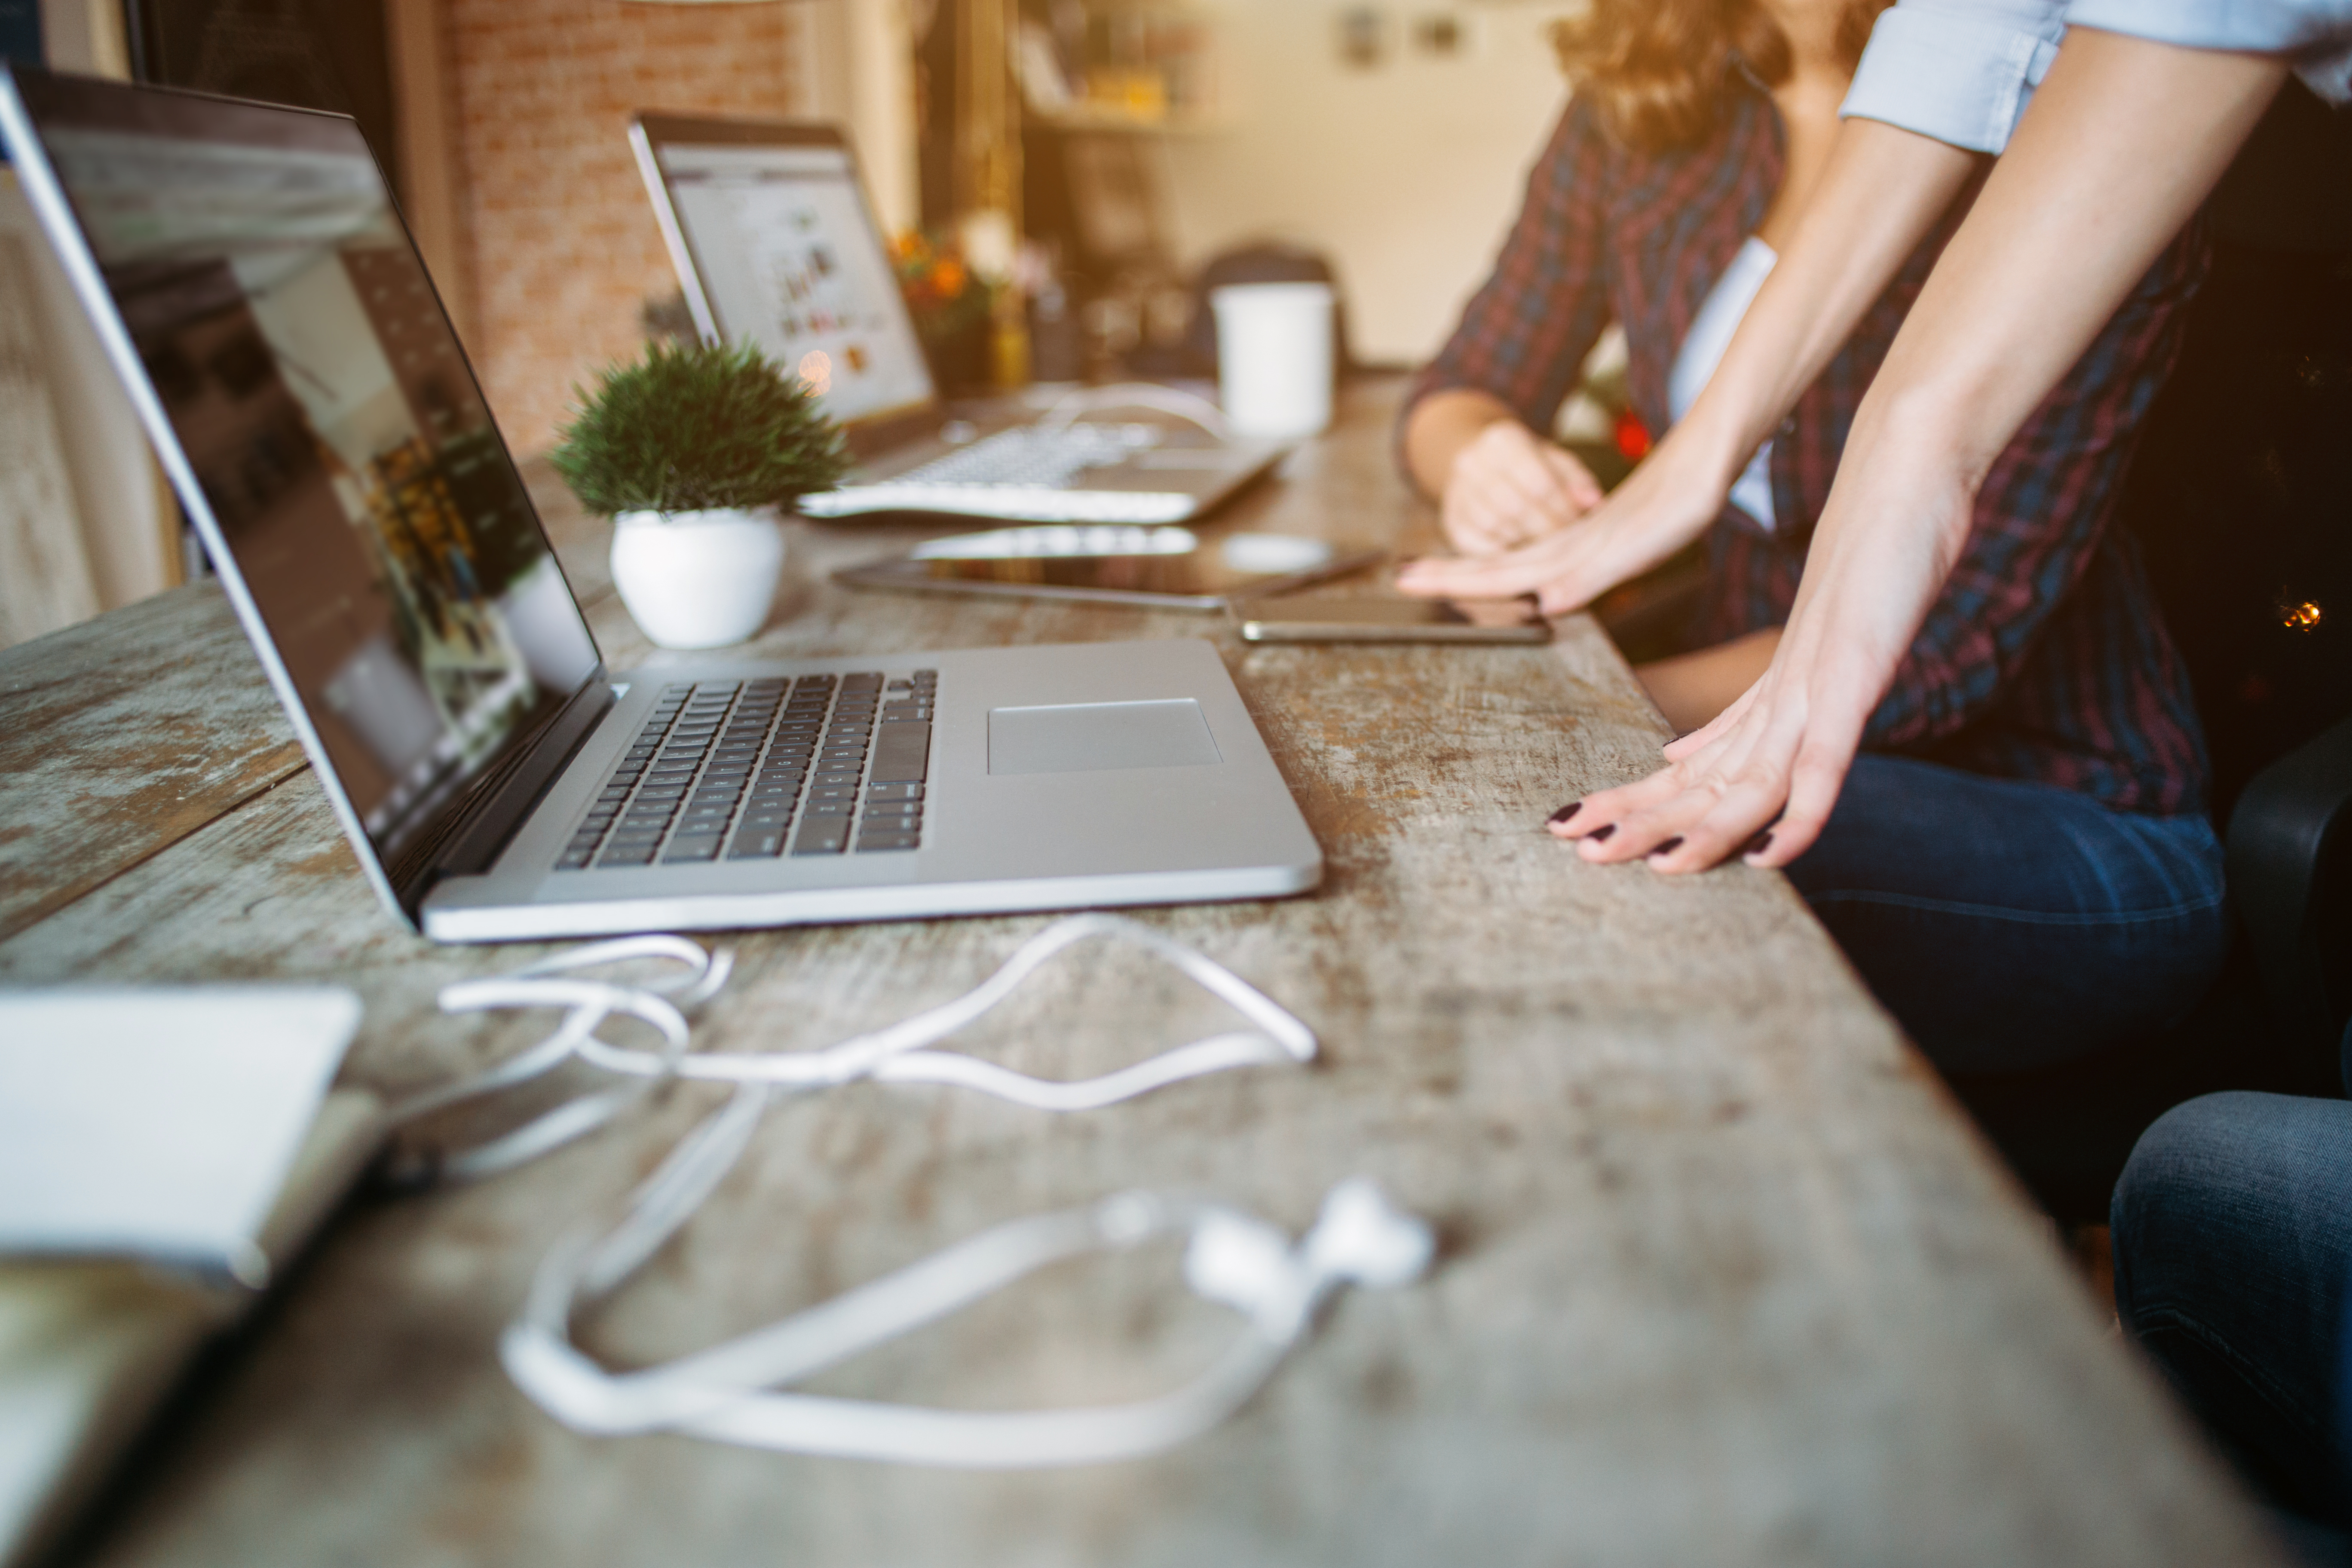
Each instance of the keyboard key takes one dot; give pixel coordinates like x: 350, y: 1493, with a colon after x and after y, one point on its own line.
x: 901, y: 754
x: 832, y: 776
x: 870, y: 842
x: 895, y: 791
x: 832, y: 808
x: 577, y: 860
x: 702, y: 846
x: 822, y: 836
x: 765, y: 844
x: 833, y: 791
x: 627, y: 854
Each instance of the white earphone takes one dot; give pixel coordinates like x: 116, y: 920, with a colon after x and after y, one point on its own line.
x: 730, y: 1393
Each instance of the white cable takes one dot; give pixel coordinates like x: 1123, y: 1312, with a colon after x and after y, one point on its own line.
x: 1233, y: 1258
x: 895, y: 1054
x: 727, y: 1393
x: 590, y: 1003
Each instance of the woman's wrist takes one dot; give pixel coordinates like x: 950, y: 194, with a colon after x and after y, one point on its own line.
x: 1441, y: 427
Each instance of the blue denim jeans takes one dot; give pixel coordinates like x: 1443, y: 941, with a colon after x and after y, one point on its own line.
x: 2233, y: 1267
x: 2011, y: 925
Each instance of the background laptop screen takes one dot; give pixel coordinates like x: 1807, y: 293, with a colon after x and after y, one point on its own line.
x: 338, y: 438
x: 789, y: 259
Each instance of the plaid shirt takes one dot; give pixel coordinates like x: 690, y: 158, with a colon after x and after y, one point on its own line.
x: 2045, y: 658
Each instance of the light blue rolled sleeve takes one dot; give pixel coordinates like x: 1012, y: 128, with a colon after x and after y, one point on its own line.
x: 1958, y: 70
x: 2315, y: 36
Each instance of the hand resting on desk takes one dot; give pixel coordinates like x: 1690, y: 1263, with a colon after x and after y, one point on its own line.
x: 1663, y: 505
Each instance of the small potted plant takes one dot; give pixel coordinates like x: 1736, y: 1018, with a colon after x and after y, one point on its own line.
x: 693, y: 451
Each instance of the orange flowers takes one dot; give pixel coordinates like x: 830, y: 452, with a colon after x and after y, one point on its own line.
x: 942, y: 291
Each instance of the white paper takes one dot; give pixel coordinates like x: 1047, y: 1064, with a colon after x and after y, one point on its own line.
x: 159, y: 1123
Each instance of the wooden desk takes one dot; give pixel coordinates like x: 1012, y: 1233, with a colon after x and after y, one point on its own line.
x: 1727, y: 1279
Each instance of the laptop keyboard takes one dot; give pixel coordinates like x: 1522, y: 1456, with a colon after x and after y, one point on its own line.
x: 1028, y: 472
x: 754, y: 770
x: 1032, y: 455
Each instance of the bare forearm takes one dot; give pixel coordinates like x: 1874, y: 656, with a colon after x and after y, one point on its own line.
x: 2124, y: 140
x: 1881, y: 192
x: 1441, y: 426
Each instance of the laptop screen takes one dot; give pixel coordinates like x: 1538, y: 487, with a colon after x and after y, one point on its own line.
x: 787, y: 256
x: 337, y: 437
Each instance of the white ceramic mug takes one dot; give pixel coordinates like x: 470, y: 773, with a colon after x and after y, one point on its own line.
x: 1274, y: 357
x: 698, y: 579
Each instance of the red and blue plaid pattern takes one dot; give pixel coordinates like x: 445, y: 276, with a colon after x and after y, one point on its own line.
x: 2045, y: 658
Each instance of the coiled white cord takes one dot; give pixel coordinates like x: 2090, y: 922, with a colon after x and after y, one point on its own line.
x: 894, y: 1054
x: 722, y: 1393
x: 729, y: 1393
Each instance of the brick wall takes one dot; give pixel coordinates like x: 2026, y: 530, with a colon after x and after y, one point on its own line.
x: 564, y: 247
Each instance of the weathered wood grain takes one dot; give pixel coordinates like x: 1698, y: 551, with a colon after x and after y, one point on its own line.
x: 123, y: 734
x: 1727, y: 1278
x: 46, y: 580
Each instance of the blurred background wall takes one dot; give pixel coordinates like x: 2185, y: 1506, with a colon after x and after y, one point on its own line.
x: 1404, y: 170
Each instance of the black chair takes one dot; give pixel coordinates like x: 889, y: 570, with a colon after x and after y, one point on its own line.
x: 2273, y: 1021
x: 2241, y: 503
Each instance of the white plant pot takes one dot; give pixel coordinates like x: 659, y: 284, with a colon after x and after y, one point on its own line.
x: 698, y: 579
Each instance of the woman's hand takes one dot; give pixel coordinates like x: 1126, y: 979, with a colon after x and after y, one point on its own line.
x: 1762, y: 777
x: 1664, y: 504
x: 1509, y: 486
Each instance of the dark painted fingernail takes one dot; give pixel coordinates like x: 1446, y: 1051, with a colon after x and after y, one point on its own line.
x: 1760, y: 843
x: 1599, y: 834
x: 1668, y: 848
x: 1565, y: 812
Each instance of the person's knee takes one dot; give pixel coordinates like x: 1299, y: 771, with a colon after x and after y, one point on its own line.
x: 2221, y: 1174
x: 2179, y: 1161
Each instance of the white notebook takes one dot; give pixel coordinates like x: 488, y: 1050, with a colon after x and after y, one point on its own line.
x: 154, y: 1146
x: 159, y: 1124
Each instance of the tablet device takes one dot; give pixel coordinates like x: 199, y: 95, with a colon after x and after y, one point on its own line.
x: 1370, y: 619
x: 1167, y: 567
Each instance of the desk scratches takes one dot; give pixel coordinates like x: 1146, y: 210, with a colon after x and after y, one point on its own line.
x: 1727, y: 1278
x: 122, y: 735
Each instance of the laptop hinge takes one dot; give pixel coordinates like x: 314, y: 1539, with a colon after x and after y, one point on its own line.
x: 474, y: 842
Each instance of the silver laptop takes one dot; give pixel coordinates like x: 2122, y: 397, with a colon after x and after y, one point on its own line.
x: 774, y: 242
x: 253, y: 282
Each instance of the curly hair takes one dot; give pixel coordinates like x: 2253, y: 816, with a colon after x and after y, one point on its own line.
x: 1654, y: 69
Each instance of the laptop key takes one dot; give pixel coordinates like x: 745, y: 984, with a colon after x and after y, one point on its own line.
x: 870, y: 842
x: 895, y: 791
x: 683, y: 851
x: 901, y: 754
x: 822, y: 836
x: 764, y: 845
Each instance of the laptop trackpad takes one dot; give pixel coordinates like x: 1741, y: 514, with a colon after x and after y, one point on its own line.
x: 1086, y: 737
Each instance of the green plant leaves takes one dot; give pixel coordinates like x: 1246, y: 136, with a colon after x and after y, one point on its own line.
x: 689, y: 428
